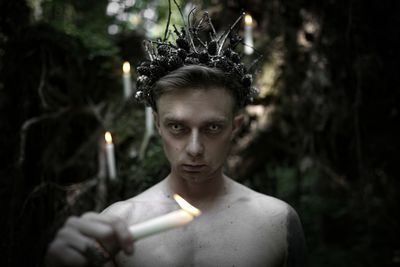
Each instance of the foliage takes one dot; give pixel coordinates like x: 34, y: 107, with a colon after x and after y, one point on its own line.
x: 84, y: 20
x: 324, y: 137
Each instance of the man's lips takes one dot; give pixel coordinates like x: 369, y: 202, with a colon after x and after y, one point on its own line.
x: 193, y: 167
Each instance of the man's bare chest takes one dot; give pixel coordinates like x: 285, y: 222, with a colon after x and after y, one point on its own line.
x: 215, y: 239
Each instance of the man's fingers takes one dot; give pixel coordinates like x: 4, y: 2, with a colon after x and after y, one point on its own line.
x: 74, y: 239
x: 91, y: 215
x: 87, y: 247
x: 119, y: 227
x: 125, y: 238
x: 90, y: 239
x: 99, y: 231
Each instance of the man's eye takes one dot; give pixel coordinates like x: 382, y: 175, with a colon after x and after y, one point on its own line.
x: 214, y: 128
x: 175, y: 127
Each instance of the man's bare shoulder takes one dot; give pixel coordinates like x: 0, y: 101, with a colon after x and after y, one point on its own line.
x: 120, y: 209
x: 265, y: 204
x: 152, y: 194
x: 140, y: 206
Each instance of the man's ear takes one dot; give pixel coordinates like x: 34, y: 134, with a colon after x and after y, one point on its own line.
x: 237, y: 124
x: 156, y: 119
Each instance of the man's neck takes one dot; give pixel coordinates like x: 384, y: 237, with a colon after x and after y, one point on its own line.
x: 198, y: 193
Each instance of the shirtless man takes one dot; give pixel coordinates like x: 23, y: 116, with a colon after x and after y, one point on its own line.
x: 238, y: 226
x: 196, y: 113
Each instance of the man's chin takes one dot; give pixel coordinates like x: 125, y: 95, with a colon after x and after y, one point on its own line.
x: 195, y: 177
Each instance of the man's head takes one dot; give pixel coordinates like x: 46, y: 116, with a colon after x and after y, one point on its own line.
x: 196, y: 123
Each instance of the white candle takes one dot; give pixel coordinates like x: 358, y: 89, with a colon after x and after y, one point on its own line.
x: 110, y: 157
x: 126, y: 68
x: 166, y: 222
x: 248, y: 35
x: 149, y: 121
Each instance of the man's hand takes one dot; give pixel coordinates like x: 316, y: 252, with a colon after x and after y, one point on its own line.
x: 89, y: 240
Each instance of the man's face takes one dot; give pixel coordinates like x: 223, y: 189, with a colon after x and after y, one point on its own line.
x: 196, y: 126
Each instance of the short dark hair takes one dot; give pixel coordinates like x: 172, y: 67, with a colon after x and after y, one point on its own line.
x: 197, y: 77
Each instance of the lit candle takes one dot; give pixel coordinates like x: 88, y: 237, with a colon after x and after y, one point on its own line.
x: 248, y: 35
x: 110, y: 157
x: 166, y: 222
x: 126, y: 68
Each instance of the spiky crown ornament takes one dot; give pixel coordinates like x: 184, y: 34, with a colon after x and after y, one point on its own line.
x: 190, y: 49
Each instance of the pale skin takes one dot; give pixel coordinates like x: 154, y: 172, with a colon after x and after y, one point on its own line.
x: 238, y: 226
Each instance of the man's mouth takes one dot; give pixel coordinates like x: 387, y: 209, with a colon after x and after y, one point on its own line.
x: 193, y: 167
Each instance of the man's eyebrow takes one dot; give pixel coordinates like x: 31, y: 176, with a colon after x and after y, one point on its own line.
x: 173, y: 119
x: 182, y: 120
x: 216, y: 120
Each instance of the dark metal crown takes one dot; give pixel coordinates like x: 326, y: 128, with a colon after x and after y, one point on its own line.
x: 190, y: 49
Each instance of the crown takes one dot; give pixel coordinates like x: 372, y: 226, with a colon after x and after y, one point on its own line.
x: 191, y: 49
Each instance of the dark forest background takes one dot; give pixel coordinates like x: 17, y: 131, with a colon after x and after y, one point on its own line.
x: 322, y: 135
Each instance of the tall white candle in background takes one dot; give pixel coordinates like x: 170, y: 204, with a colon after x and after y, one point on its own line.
x: 110, y: 156
x: 126, y: 68
x: 149, y: 121
x: 166, y: 222
x: 248, y: 35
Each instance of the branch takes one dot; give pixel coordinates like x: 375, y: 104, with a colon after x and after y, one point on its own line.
x: 168, y: 21
x: 27, y: 124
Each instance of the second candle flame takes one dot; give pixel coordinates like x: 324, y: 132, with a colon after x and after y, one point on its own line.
x: 248, y: 20
x: 108, y: 138
x: 126, y: 67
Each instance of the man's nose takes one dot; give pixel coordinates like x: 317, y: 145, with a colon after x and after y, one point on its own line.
x: 195, y: 147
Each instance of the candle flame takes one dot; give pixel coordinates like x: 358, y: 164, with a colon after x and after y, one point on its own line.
x: 126, y: 67
x: 186, y: 205
x: 248, y: 20
x: 108, y: 138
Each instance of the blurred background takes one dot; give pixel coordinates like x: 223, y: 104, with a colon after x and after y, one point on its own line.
x: 322, y: 135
